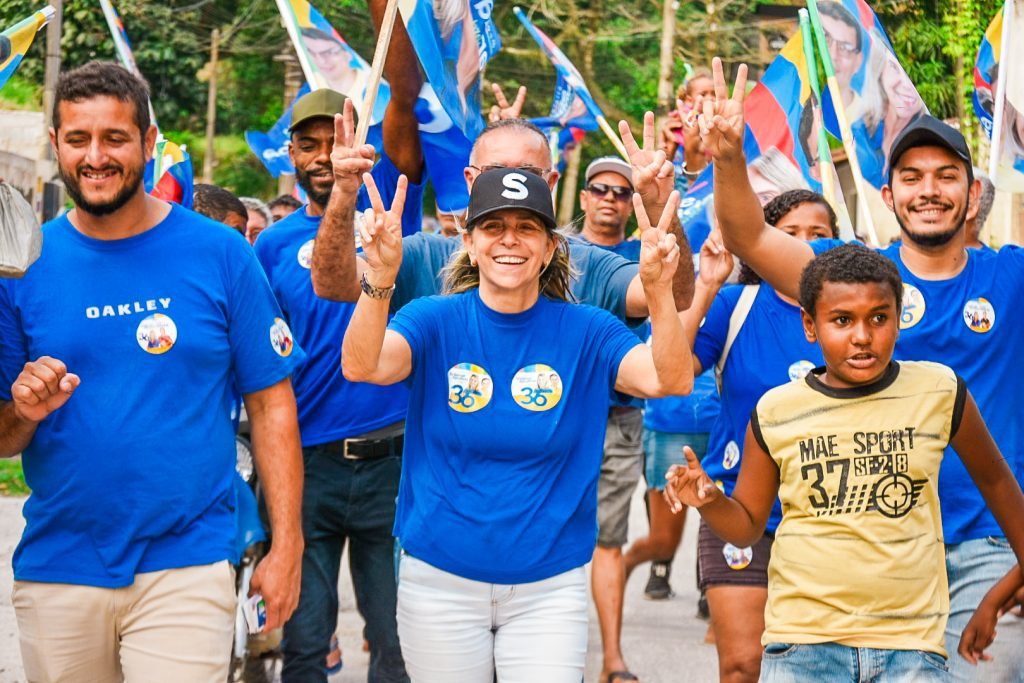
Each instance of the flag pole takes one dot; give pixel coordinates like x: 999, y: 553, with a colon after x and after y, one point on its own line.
x: 999, y: 107
x: 602, y: 122
x: 376, y: 71
x: 844, y: 125
x: 828, y: 174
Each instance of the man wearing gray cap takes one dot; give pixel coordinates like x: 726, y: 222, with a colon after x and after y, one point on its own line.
x: 606, y: 201
x: 961, y: 307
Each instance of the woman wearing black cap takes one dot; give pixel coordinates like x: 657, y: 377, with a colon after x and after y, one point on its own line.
x: 497, y: 505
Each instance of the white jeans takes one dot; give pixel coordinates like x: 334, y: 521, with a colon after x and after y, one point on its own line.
x: 455, y: 630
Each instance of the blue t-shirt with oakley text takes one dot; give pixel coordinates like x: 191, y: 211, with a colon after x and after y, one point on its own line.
x: 769, y: 350
x: 505, y: 434
x: 330, y: 407
x: 974, y: 323
x: 135, y: 473
x: 602, y: 277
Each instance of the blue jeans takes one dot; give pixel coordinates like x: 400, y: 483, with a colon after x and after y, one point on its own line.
x: 974, y: 567
x: 834, y: 663
x: 664, y: 449
x: 354, y: 501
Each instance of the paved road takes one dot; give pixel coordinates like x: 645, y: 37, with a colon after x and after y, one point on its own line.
x: 662, y: 641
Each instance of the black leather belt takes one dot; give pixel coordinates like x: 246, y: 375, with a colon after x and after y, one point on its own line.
x: 366, y: 449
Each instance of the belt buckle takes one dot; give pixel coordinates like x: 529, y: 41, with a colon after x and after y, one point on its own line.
x: 344, y: 451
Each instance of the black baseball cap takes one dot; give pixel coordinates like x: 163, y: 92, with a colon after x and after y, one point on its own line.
x: 322, y: 103
x: 510, y: 188
x: 928, y: 131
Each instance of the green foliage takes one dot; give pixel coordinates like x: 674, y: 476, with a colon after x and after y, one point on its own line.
x: 12, y: 479
x: 236, y: 169
x: 19, y: 93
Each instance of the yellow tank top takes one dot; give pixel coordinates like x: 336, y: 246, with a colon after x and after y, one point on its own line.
x: 858, y: 558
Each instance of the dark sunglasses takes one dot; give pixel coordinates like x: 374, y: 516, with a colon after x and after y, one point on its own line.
x: 543, y: 173
x: 620, y: 193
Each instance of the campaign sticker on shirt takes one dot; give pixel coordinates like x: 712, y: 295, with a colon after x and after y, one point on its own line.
x: 469, y: 388
x: 156, y: 334
x: 306, y: 255
x: 913, y: 306
x: 281, y: 338
x: 537, y: 387
x: 979, y: 315
x: 799, y: 369
x: 731, y: 456
x: 737, y: 558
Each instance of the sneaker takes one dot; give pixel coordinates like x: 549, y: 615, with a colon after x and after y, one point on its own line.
x: 702, y: 607
x: 658, y: 587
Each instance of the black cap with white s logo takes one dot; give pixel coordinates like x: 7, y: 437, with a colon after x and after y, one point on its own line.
x: 510, y: 188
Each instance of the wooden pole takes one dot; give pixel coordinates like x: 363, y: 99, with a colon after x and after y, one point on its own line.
x: 211, y: 107
x: 293, y: 79
x: 666, y: 96
x: 376, y: 70
x: 572, y: 173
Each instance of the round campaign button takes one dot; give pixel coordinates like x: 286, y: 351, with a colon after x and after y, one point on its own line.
x: 281, y: 338
x: 306, y: 255
x: 731, y: 457
x: 979, y: 315
x: 799, y: 369
x: 156, y: 334
x: 913, y: 306
x: 737, y: 558
x: 469, y: 388
x: 537, y: 387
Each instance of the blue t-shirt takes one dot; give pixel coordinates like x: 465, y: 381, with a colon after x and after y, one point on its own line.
x: 135, y: 473
x: 769, y: 350
x: 602, y: 281
x: 694, y: 413
x: 505, y: 435
x: 330, y: 407
x: 974, y: 323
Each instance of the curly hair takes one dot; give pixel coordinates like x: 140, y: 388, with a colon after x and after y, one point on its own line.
x: 776, y: 210
x: 103, y: 79
x: 850, y: 263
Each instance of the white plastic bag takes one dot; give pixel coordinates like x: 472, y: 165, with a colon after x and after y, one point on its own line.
x: 21, y: 238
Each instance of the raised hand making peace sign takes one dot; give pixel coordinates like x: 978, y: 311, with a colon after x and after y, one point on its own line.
x: 381, y: 233
x: 720, y: 121
x: 659, y: 250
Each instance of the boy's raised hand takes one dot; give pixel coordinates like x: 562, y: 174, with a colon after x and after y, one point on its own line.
x: 381, y: 233
x: 720, y: 121
x: 689, y: 484
x: 659, y: 251
x: 349, y: 162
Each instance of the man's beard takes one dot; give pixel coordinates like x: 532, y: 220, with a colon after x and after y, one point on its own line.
x: 306, y: 183
x: 936, y: 239
x: 132, y: 179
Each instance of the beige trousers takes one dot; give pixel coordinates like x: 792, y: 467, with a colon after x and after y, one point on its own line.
x: 169, y: 626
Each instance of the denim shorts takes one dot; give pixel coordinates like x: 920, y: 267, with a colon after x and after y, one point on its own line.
x: 664, y: 449
x: 835, y: 663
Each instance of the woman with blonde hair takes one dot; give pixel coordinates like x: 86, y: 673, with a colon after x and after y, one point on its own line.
x: 497, y: 505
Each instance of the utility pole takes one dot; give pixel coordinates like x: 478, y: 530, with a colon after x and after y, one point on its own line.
x: 53, y: 31
x: 46, y: 163
x: 211, y: 107
x: 568, y: 183
x: 293, y: 79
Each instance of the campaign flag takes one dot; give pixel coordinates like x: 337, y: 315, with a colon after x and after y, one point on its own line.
x: 781, y: 141
x: 329, y: 62
x: 866, y: 81
x: 271, y: 148
x: 15, y: 41
x: 454, y: 40
x: 169, y: 174
x: 998, y: 72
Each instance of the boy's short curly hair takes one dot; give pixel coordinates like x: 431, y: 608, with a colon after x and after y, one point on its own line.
x: 849, y: 263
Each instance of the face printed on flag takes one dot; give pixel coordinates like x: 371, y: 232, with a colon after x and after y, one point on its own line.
x: 999, y: 62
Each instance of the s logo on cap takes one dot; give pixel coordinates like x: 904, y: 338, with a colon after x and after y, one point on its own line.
x: 515, y: 187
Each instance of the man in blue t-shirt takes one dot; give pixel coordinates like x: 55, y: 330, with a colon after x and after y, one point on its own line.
x: 961, y: 307
x: 607, y: 203
x: 120, y: 353
x: 352, y: 433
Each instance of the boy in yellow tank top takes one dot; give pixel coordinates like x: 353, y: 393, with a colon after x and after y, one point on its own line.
x: 857, y: 580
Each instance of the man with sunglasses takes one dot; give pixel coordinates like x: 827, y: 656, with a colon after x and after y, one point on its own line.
x: 607, y: 206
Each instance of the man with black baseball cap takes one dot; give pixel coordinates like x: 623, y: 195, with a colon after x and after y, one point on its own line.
x: 960, y: 307
x: 351, y: 433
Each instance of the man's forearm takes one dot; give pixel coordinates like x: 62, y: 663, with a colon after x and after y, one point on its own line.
x: 673, y: 365
x: 335, y: 272
x: 15, y: 433
x: 278, y: 455
x: 739, y: 214
x: 682, y: 281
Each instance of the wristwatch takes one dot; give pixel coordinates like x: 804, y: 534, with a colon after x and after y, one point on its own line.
x: 379, y: 293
